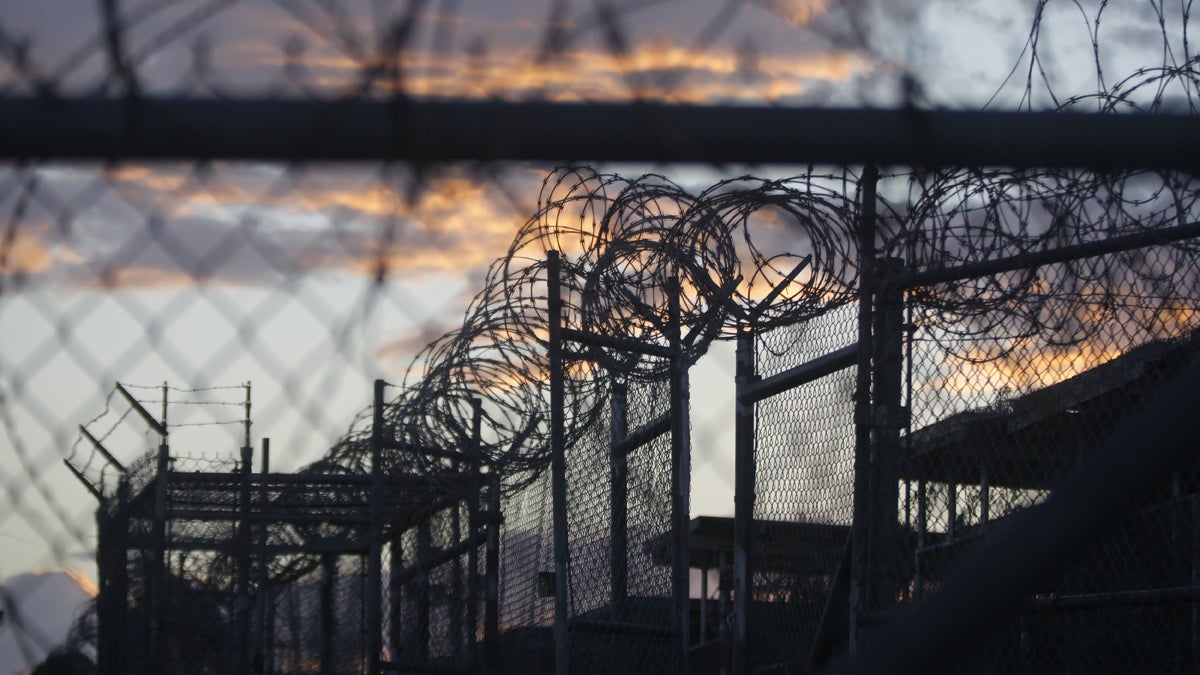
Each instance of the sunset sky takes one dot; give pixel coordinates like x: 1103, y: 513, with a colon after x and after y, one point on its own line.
x: 222, y: 273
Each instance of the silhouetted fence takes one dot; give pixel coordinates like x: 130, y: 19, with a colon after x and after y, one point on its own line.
x: 946, y: 339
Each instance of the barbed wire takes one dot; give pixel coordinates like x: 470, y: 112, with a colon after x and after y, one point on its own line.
x: 770, y: 252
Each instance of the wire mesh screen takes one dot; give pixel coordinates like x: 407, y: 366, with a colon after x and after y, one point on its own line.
x: 1008, y: 403
x: 527, y: 606
x: 279, y: 192
x: 804, y: 489
x: 429, y: 603
x: 624, y: 617
x: 315, y: 621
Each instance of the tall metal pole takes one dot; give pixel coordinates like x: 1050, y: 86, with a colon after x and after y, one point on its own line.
x: 558, y: 468
x: 491, y: 611
x: 246, y: 418
x: 158, y: 604
x: 242, y: 592
x: 619, y: 501
x: 105, y: 600
x: 119, y: 587
x: 681, y: 476
x: 395, y: 596
x: 860, y: 527
x: 264, y: 580
x: 473, y: 526
x: 743, y: 500
x: 269, y: 643
x: 327, y: 619
x: 456, y: 608
x: 886, y: 421
x: 374, y: 590
x: 424, y: 552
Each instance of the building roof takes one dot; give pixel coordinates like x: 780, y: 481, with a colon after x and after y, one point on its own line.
x: 1030, y: 441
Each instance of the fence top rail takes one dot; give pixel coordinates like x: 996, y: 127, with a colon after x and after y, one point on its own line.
x: 453, y: 130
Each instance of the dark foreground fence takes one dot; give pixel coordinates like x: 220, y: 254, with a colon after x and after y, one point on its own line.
x: 959, y: 425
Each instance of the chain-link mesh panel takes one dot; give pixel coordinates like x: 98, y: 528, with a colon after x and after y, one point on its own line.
x: 621, y: 571
x: 526, y: 602
x: 447, y: 589
x: 804, y: 487
x: 591, y: 529
x: 312, y: 280
x: 1003, y: 414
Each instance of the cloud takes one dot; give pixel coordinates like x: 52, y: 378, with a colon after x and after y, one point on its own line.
x: 24, y: 253
x: 669, y: 52
x: 240, y: 224
x: 400, y: 349
x: 798, y: 12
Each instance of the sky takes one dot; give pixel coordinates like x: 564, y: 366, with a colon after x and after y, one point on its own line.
x: 217, y: 274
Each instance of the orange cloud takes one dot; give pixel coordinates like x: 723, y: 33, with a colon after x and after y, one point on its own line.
x: 656, y: 69
x: 1027, y: 366
x: 25, y: 253
x: 247, y: 224
x: 799, y: 12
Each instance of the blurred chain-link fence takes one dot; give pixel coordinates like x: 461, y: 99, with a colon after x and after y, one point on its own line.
x: 303, y: 197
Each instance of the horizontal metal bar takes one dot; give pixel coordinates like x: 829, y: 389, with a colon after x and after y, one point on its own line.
x: 623, y: 627
x: 298, y: 479
x: 448, y: 130
x: 645, y: 433
x: 429, y: 451
x: 289, y: 482
x: 230, y: 546
x: 1048, y: 257
x: 959, y: 541
x: 1180, y: 595
x: 802, y: 374
x: 440, y: 557
x: 619, y: 343
x: 273, y: 516
x: 430, y: 668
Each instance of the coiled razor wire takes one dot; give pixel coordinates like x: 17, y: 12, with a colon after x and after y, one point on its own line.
x: 761, y: 253
x: 747, y: 250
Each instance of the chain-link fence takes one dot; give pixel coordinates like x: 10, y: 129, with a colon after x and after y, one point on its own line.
x: 924, y: 358
x: 1009, y: 401
x: 804, y: 491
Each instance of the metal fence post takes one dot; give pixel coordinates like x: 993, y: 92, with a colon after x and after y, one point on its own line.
x: 860, y: 579
x: 106, y: 600
x: 119, y: 583
x: 887, y: 419
x: 158, y: 587
x: 743, y: 499
x: 265, y: 602
x: 242, y: 592
x: 558, y: 469
x: 325, y: 600
x: 424, y: 552
x: 454, y: 617
x: 395, y: 596
x: 619, y: 500
x: 473, y: 527
x: 269, y: 622
x: 374, y: 590
x: 681, y: 476
x: 491, y: 610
